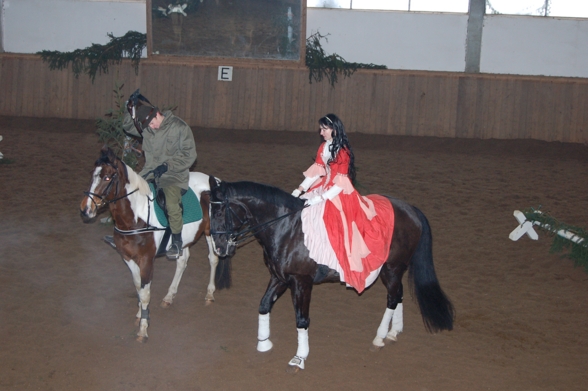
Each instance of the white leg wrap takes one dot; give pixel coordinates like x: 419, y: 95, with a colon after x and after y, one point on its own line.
x: 385, y: 324
x: 397, y: 323
x: 263, y: 333
x: 303, y: 349
x: 383, y: 328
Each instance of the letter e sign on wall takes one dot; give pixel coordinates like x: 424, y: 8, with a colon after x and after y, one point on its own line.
x: 225, y: 73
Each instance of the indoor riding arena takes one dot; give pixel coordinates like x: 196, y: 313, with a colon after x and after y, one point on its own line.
x: 468, y: 149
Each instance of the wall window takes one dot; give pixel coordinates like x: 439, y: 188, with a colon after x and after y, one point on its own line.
x: 561, y: 8
x: 394, y: 5
x: 259, y: 29
x: 555, y: 8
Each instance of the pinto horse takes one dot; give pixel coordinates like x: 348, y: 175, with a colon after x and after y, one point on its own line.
x: 239, y: 210
x: 137, y: 231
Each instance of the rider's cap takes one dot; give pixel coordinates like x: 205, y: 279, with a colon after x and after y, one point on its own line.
x: 145, y: 114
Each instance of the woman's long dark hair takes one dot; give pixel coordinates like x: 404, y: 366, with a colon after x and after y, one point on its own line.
x: 340, y: 141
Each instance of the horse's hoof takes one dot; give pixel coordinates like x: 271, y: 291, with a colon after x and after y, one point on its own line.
x: 293, y: 369
x: 165, y: 304
x: 295, y: 365
x: 142, y: 339
x: 208, y: 301
x: 390, y: 340
x: 375, y: 348
x: 392, y: 336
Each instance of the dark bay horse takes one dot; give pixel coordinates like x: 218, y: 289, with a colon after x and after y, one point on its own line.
x: 272, y: 216
x: 137, y: 231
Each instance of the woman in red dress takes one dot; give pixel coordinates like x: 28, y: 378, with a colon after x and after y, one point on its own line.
x: 342, y: 229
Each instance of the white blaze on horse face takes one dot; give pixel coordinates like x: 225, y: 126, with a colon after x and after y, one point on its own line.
x: 90, y: 206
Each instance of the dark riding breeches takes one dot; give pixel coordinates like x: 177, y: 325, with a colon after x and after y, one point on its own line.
x: 173, y: 198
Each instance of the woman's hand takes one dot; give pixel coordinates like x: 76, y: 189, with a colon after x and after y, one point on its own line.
x: 314, y: 201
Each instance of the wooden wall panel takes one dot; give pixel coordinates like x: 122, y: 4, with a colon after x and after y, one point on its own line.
x: 280, y: 97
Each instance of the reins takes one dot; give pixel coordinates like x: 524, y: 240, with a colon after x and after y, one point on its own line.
x: 250, y: 232
x: 104, y: 201
x: 243, y: 235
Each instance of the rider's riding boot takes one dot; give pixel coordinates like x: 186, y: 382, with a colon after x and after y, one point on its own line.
x: 110, y: 240
x: 175, y: 251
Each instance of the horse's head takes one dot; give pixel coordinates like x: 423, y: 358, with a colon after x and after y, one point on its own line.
x: 227, y: 219
x: 105, y: 185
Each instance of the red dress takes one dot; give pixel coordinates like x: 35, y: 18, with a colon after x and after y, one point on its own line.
x: 359, y: 229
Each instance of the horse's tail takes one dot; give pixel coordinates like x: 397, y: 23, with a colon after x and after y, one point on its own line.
x: 222, y: 276
x: 436, y: 309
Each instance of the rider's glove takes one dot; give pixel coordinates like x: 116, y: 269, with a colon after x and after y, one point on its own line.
x: 313, y: 201
x: 159, y: 170
x: 296, y: 193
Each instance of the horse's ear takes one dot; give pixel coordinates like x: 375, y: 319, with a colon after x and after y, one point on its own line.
x: 108, y: 153
x: 212, y: 182
x: 215, y: 188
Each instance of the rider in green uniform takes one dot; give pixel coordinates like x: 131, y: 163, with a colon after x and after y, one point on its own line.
x: 170, y: 151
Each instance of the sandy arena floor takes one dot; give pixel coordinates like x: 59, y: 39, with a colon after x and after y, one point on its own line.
x: 68, y: 302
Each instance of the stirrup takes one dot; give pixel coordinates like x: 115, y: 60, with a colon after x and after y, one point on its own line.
x: 109, y: 239
x: 174, y: 251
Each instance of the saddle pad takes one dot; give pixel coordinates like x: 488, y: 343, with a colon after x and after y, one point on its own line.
x: 191, y: 206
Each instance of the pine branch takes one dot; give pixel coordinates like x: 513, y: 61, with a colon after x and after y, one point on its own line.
x: 330, y: 66
x: 96, y: 58
x: 110, y: 129
x: 576, y: 242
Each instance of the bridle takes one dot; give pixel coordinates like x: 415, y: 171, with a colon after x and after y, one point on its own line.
x: 235, y: 238
x: 104, y: 202
x: 102, y: 197
x: 242, y: 235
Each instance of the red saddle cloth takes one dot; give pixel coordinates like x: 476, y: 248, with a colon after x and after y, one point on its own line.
x: 360, y: 231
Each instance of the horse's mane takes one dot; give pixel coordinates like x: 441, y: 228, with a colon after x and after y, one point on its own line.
x: 136, y: 181
x: 268, y: 193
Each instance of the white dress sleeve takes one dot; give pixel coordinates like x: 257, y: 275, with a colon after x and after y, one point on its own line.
x: 307, y: 182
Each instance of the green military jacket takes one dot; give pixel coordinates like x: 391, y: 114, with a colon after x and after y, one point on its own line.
x: 173, y: 143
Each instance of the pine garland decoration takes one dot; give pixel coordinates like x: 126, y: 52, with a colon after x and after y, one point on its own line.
x: 96, y: 58
x: 330, y: 66
x: 577, y: 248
